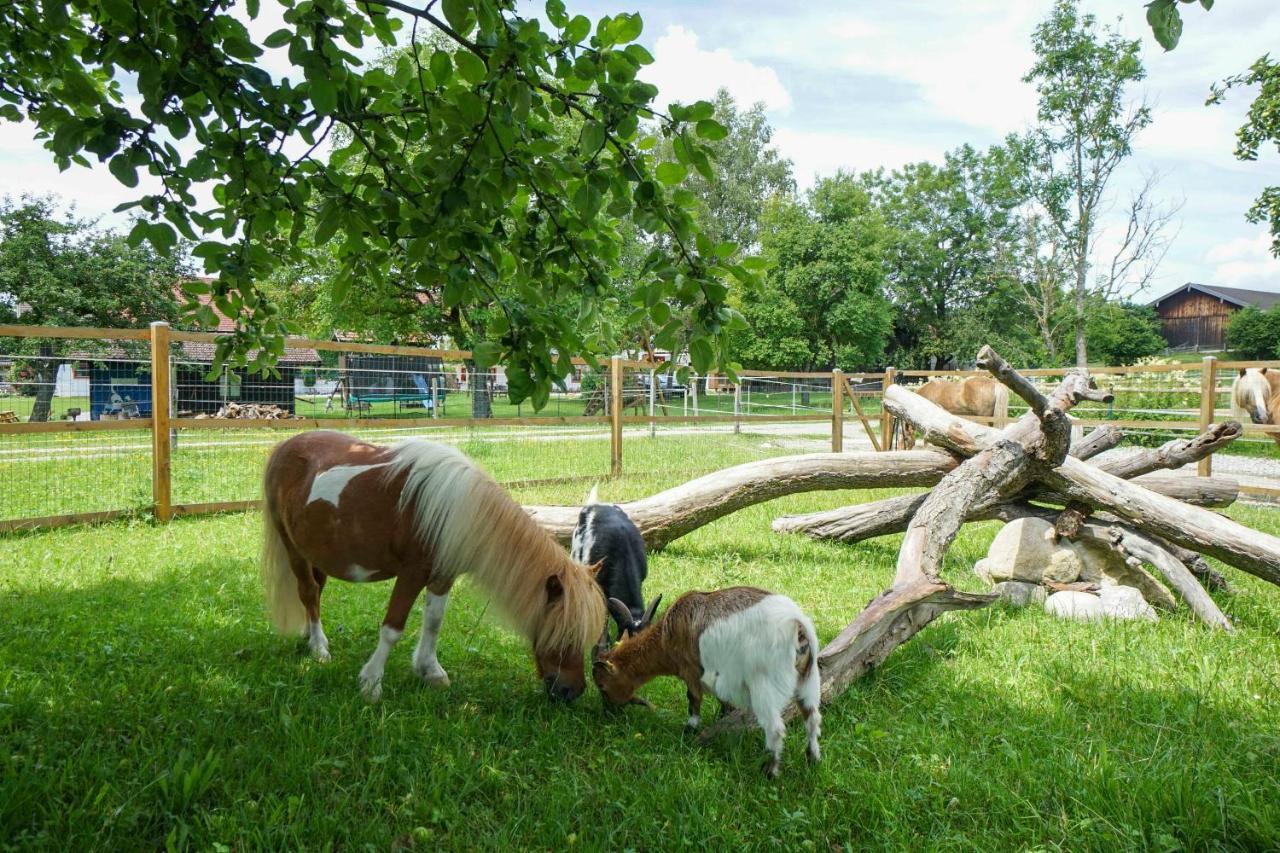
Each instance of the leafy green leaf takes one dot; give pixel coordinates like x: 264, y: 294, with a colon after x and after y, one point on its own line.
x: 711, y: 129
x: 470, y: 67
x: 485, y: 354
x: 671, y: 173
x: 458, y: 14
x: 279, y: 38
x: 124, y: 170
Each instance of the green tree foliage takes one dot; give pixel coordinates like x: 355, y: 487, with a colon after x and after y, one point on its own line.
x: 948, y: 222
x: 490, y: 192
x: 1122, y: 332
x: 1087, y: 125
x: 1260, y: 131
x: 823, y: 303
x: 64, y: 272
x: 1254, y: 333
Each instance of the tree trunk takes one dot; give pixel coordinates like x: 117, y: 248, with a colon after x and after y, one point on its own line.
x: 478, y: 385
x: 46, y: 375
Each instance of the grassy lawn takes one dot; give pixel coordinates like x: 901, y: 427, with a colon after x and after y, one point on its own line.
x: 145, y: 702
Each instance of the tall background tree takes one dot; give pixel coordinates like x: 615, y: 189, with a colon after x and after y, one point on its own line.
x: 65, y: 272
x: 1083, y: 74
x: 823, y: 303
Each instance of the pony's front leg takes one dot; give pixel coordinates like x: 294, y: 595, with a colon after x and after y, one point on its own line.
x: 402, y: 598
x: 425, y: 663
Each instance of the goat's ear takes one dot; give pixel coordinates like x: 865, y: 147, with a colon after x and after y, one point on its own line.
x: 1264, y: 370
x: 555, y: 588
x: 596, y: 569
x: 652, y: 611
x: 620, y: 611
x: 1243, y: 371
x: 603, y: 664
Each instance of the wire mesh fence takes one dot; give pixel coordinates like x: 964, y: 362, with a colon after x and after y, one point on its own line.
x: 82, y: 423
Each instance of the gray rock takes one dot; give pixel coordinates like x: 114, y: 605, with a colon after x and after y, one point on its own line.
x: 1084, y: 606
x: 1020, y: 593
x: 1125, y: 602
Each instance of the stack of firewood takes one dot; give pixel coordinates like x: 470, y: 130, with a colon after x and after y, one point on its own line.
x: 251, y: 412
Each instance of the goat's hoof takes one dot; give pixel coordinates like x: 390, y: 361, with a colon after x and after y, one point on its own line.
x: 772, y: 768
x: 321, y: 655
x: 814, y: 754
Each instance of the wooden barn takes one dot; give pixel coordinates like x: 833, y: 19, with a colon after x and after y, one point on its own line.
x: 1195, y: 316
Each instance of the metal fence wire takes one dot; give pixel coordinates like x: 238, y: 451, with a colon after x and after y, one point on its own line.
x: 87, y: 416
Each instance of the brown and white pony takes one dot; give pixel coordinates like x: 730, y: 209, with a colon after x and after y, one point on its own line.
x: 423, y: 514
x: 975, y: 396
x: 1256, y: 395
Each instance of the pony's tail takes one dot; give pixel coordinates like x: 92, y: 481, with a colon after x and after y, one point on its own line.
x: 279, y: 585
x: 1000, y: 406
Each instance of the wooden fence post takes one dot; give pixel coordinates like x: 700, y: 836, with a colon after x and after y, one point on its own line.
x: 886, y: 419
x: 837, y: 411
x: 737, y: 407
x: 1208, y: 402
x: 161, y: 446
x: 615, y: 414
x: 653, y: 400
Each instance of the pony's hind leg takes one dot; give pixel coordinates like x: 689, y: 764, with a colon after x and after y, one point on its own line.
x: 310, y: 584
x: 425, y: 663
x: 402, y: 597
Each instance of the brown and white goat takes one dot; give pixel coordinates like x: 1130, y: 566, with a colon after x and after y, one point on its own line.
x: 751, y: 648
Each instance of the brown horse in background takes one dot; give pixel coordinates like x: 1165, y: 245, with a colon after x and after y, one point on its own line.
x: 423, y: 514
x: 976, y: 397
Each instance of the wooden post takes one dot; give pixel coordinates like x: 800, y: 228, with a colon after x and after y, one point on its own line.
x: 615, y: 414
x: 1208, y: 401
x: 161, y: 446
x: 886, y: 419
x: 737, y: 407
x: 694, y: 386
x: 837, y: 411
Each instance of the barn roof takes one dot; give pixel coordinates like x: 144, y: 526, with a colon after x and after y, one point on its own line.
x: 1237, y: 296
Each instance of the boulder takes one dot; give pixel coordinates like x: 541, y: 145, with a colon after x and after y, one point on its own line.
x: 1024, y: 552
x: 1084, y: 606
x: 1020, y: 593
x: 1111, y: 602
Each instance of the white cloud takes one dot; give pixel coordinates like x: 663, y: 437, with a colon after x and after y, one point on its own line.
x: 685, y: 72
x: 1245, y: 262
x: 823, y: 153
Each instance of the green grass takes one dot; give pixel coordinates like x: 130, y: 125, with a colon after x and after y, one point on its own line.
x: 144, y: 702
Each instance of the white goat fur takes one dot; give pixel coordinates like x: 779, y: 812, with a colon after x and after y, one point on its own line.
x: 749, y: 660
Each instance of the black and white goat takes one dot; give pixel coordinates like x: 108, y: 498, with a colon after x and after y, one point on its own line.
x: 606, y: 535
x: 750, y: 647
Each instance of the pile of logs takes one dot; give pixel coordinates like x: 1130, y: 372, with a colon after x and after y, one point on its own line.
x: 1028, y: 468
x: 251, y: 412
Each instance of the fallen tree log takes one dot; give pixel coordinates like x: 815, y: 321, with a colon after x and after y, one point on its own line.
x: 668, y: 515
x: 857, y: 522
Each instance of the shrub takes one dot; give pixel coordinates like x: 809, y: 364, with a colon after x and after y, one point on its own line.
x: 1122, y: 332
x: 1254, y: 333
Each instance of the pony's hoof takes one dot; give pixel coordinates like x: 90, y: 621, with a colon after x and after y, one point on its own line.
x: 439, y: 681
x: 432, y: 676
x: 321, y: 655
x: 371, y: 689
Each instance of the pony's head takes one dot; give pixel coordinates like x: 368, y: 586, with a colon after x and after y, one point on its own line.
x: 570, y: 618
x: 1251, y: 395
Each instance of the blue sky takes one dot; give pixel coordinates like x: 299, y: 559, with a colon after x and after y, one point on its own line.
x: 862, y: 84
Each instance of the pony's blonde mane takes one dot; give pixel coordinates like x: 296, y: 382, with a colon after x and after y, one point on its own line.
x: 471, y: 525
x: 1251, y: 382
